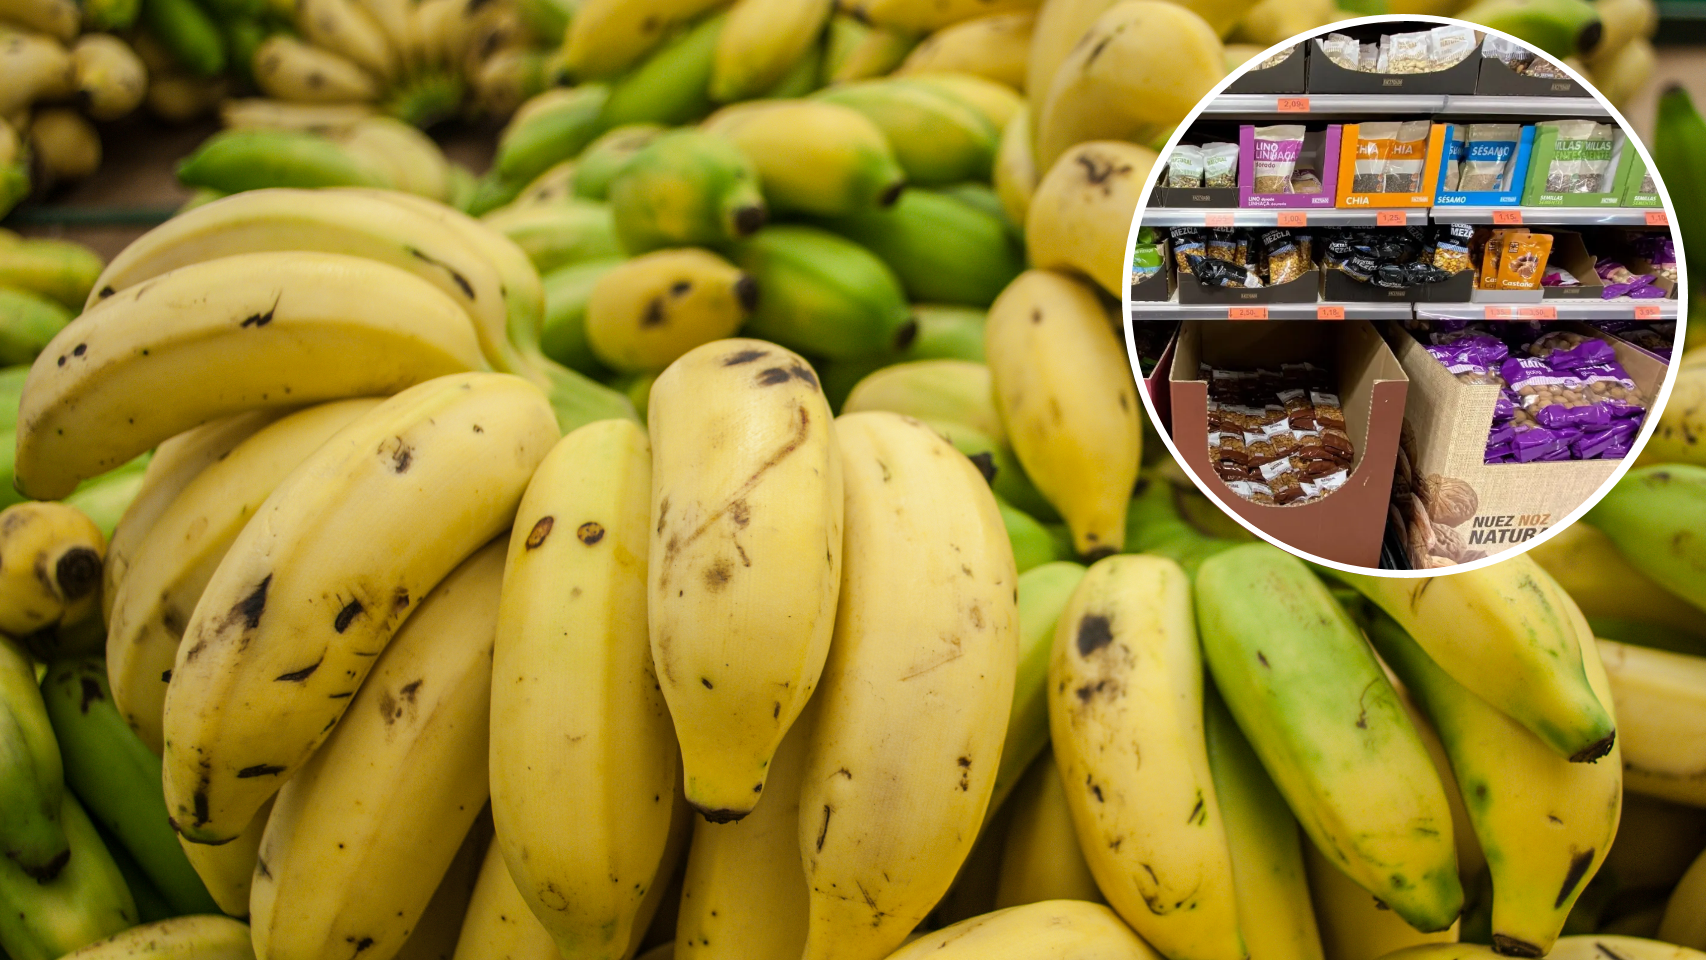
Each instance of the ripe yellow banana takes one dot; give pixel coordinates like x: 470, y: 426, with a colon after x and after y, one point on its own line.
x: 955, y: 390
x: 1507, y: 632
x: 1065, y: 393
x: 938, y: 138
x: 345, y: 29
x: 584, y: 765
x: 648, y: 311
x: 813, y: 156
x: 50, y: 567
x: 922, y: 17
x: 760, y: 41
x: 1015, y: 174
x: 1125, y: 681
x: 994, y: 46
x: 289, y: 69
x: 295, y: 613
x: 36, y: 68
x: 413, y: 161
x: 1680, y: 436
x: 1062, y: 929
x: 249, y: 112
x: 1583, y: 947
x: 202, y: 936
x: 1660, y: 699
x: 435, y: 936
x: 1079, y: 215
x: 252, y: 331
x: 64, y: 145
x: 1684, y: 921
x: 228, y: 869
x: 110, y: 76
x: 174, y: 562
x: 997, y: 102
x: 361, y: 835
x: 916, y: 690
x: 1354, y: 924
x: 499, y: 924
x: 861, y: 51
x: 1603, y: 583
x: 59, y: 19
x: 1040, y: 856
x: 607, y: 36
x: 1059, y: 26
x: 746, y: 497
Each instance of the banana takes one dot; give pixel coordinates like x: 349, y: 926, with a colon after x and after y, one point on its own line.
x: 803, y: 76
x: 50, y: 567
x: 1568, y: 948
x: 670, y: 87
x: 414, y: 162
x: 1661, y: 698
x: 87, y: 901
x: 395, y: 21
x: 277, y: 220
x: 1649, y: 514
x: 189, y: 32
x: 58, y: 19
x: 1040, y: 856
x: 1125, y: 680
x: 66, y: 147
x: 1355, y: 925
x: 346, y: 30
x: 1507, y: 633
x: 572, y: 634
x: 32, y: 836
x: 739, y: 430
x: 1622, y: 22
x: 1627, y: 73
x: 648, y: 311
x: 567, y: 291
x: 606, y: 36
x: 1044, y: 592
x: 744, y: 896
x: 173, y: 563
x: 1032, y: 543
x: 1056, y: 362
x: 686, y: 188
x: 1270, y: 22
x: 435, y: 936
x: 434, y: 27
x: 180, y: 98
x: 349, y: 327
x: 36, y: 67
x: 761, y: 40
x: 1270, y: 885
x: 813, y: 156
x: 361, y: 835
x: 1606, y: 586
x: 1679, y: 134
x: 1139, y: 69
x: 910, y: 638
x: 110, y: 76
x: 997, y: 102
x: 548, y: 129
x: 859, y: 51
x: 234, y: 161
x: 59, y: 270
x: 553, y: 186
x: 197, y: 936
x: 1543, y: 822
x: 507, y: 78
x: 1561, y: 28
x: 499, y: 924
x: 228, y: 870
x: 944, y: 332
x: 558, y: 234
x: 103, y: 499
x: 954, y: 390
x: 1682, y: 423
x: 27, y: 323
x: 603, y: 158
x: 924, y: 17
x: 289, y: 69
x: 994, y: 46
x: 1063, y: 929
x: 937, y: 138
x: 823, y: 294
x: 321, y: 624
x: 1015, y: 174
x: 942, y: 249
x: 1078, y: 216
x: 1684, y: 920
x: 1339, y: 746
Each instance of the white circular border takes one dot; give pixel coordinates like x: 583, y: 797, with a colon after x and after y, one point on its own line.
x: 1654, y: 411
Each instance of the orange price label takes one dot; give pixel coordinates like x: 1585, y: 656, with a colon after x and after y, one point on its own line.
x: 1657, y: 218
x: 1646, y: 311
x: 1496, y: 313
x: 1293, y: 104
x: 1293, y: 218
x: 1391, y: 218
x: 1537, y: 313
x: 1329, y: 313
x: 1247, y: 313
x: 1217, y: 219
x: 1507, y: 216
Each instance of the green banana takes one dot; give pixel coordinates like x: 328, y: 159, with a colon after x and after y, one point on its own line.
x: 86, y: 902
x: 937, y: 138
x: 955, y: 390
x: 491, y: 192
x: 547, y: 18
x: 151, y: 904
x: 563, y: 337
x: 1562, y: 28
x: 860, y: 51
x: 942, y: 249
x: 599, y: 163
x: 32, y: 779
x: 1329, y: 729
x: 802, y: 78
x: 59, y: 270
x: 548, y: 129
x: 11, y: 391
x: 1654, y: 515
x: 243, y: 36
x: 14, y: 183
x: 686, y: 188
x: 669, y: 87
x: 822, y: 294
x: 1032, y: 545
x: 1155, y: 525
x: 118, y: 779
x: 105, y: 498
x: 1679, y: 155
x: 559, y: 233
x: 189, y: 32
x: 27, y: 323
x: 1044, y: 592
x: 110, y: 15
x: 945, y: 332
x: 255, y: 158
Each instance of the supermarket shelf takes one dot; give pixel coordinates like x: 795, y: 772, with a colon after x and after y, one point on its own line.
x: 1622, y: 308
x: 1559, y: 216
x: 1348, y: 104
x: 1325, y: 217
x: 1172, y: 310
x: 1546, y: 310
x: 1527, y: 106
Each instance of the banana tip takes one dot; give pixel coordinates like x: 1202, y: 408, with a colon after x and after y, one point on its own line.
x: 891, y: 194
x: 1595, y: 750
x: 1512, y: 947
x: 722, y: 815
x: 1588, y: 40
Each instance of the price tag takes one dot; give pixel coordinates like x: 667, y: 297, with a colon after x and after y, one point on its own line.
x: 1217, y: 219
x: 1293, y: 218
x: 1391, y: 218
x: 1247, y: 313
x: 1507, y: 216
x: 1496, y: 313
x: 1329, y: 313
x: 1647, y: 311
x: 1657, y: 218
x: 1293, y: 104
x: 1537, y: 313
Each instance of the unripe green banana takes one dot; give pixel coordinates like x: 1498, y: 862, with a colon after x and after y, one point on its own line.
x: 1044, y: 592
x: 27, y: 323
x: 955, y: 390
x: 998, y: 102
x: 32, y: 781
x: 823, y: 295
x: 548, y: 129
x: 1032, y: 545
x: 1155, y: 525
x: 236, y: 160
x: 945, y: 332
x: 1679, y: 156
x: 59, y: 270
x: 942, y: 249
x: 645, y: 313
x: 1654, y: 515
x: 937, y: 138
x: 563, y: 337
x: 554, y: 185
x: 1562, y: 28
x: 805, y: 76
x: 1327, y: 725
x: 189, y: 32
x: 86, y: 902
x: 686, y: 188
x: 603, y: 158
x: 813, y: 156
x: 558, y: 234
x: 859, y: 51
x: 669, y: 87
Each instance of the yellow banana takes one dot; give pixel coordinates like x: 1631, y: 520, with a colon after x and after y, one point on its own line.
x: 1015, y: 173
x: 1684, y: 920
x: 228, y: 869
x: 1040, y: 856
x: 955, y: 390
x: 1066, y: 396
x: 36, y: 68
x: 813, y: 156
x: 1660, y: 700
x: 65, y: 146
x: 205, y: 937
x: 648, y: 311
x: 760, y: 41
x: 607, y: 36
x: 1680, y: 436
x: 995, y: 46
x: 1079, y: 215
x: 916, y: 690
x: 1058, y: 27
x: 247, y: 112
x: 110, y: 76
x: 1063, y: 929
x: 1354, y: 925
x: 1587, y: 564
x: 344, y: 28
x: 998, y: 102
x: 59, y: 19
x: 50, y: 567
x: 414, y: 161
x: 1567, y: 948
x: 926, y: 16
x: 746, y: 496
x: 499, y: 924
x: 435, y: 936
x: 288, y: 69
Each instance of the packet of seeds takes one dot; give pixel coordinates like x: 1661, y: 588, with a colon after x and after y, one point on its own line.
x: 1455, y: 148
x: 1220, y: 165
x: 1487, y: 155
x: 1581, y: 154
x: 1407, y: 157
x: 1374, y: 146
x: 1277, y: 149
x: 1184, y: 167
x: 1409, y: 53
x: 1342, y: 50
x: 1450, y: 45
x: 1368, y: 58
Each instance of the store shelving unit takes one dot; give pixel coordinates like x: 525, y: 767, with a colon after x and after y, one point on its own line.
x: 1152, y: 311
x: 1364, y: 104
x: 1272, y: 311
x: 1550, y: 216
x: 1245, y: 217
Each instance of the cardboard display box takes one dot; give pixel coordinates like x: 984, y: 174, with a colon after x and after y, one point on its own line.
x: 1499, y: 80
x: 1325, y: 76
x: 1321, y: 144
x: 1304, y: 289
x: 1217, y: 197
x: 1492, y: 507
x: 1534, y: 192
x: 1633, y: 193
x: 1346, y: 525
x: 1569, y: 252
x: 1156, y: 385
x: 1423, y: 197
x: 1290, y: 75
x: 1509, y: 193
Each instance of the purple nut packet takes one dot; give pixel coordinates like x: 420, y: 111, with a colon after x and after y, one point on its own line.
x: 1593, y: 443
x: 1584, y: 354
x: 1623, y: 439
x: 1536, y: 443
x: 1502, y: 433
x: 1525, y: 371
x: 1504, y: 408
x: 1647, y: 291
x: 1592, y: 416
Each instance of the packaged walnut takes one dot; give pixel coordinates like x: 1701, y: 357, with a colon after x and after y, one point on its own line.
x: 1449, y: 501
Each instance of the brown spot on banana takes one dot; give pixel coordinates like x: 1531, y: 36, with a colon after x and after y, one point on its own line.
x: 540, y: 531
x: 302, y: 674
x: 590, y: 532
x: 349, y: 612
x: 1095, y: 631
x: 744, y: 356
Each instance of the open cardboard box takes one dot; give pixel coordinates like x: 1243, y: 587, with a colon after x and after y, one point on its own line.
x: 1290, y: 75
x: 1570, y: 253
x: 1511, y: 502
x: 1347, y: 524
x: 1498, y: 80
x: 1325, y: 76
x: 1303, y: 289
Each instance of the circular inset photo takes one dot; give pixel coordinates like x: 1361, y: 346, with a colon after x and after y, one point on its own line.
x: 1403, y: 294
